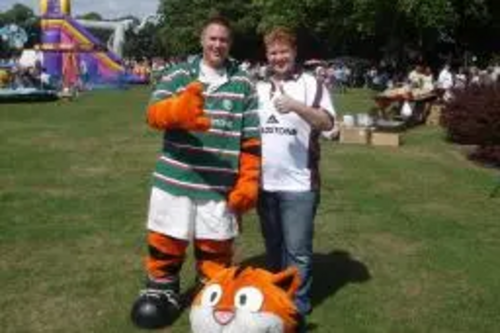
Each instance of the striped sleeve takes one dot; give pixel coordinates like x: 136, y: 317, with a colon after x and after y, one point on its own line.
x: 251, y: 124
x: 169, y: 84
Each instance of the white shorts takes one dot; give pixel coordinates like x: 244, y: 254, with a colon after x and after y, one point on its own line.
x: 184, y: 218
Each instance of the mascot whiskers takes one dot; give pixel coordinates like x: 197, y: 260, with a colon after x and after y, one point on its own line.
x: 245, y: 300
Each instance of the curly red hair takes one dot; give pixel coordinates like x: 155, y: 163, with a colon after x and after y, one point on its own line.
x: 280, y: 35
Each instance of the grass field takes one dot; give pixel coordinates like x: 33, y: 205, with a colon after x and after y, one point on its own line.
x: 407, y: 239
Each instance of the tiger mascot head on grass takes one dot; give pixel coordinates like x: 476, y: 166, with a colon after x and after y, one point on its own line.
x: 245, y: 300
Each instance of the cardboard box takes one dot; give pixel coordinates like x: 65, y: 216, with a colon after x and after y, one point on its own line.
x: 385, y: 139
x: 434, y: 117
x: 355, y: 135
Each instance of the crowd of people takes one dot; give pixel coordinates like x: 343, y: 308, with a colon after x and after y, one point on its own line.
x: 339, y: 76
x: 422, y: 76
x: 13, y: 75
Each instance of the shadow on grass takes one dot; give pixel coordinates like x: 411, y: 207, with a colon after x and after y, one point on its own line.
x: 331, y: 272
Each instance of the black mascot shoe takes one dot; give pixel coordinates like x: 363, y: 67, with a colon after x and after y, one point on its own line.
x: 156, y: 307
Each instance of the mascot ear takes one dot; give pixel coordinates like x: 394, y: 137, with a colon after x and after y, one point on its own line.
x: 210, y: 269
x: 288, y: 280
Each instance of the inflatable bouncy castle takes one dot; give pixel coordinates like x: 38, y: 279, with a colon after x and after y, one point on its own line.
x: 71, y: 53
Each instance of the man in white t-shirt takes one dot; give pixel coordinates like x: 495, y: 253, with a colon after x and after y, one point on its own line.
x: 294, y: 108
x: 445, y: 82
x: 445, y: 78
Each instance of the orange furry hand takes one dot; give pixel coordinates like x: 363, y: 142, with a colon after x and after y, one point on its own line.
x: 183, y: 111
x: 243, y: 196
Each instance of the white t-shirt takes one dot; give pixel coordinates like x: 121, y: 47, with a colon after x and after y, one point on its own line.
x: 415, y: 78
x: 289, y: 145
x: 445, y: 79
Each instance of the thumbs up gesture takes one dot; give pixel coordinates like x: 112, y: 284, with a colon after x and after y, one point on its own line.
x: 284, y: 103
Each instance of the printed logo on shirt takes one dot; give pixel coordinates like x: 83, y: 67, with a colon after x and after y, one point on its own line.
x: 222, y: 123
x: 227, y: 104
x: 279, y: 130
x: 272, y: 120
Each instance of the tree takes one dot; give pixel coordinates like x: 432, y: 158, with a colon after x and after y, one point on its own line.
x: 18, y: 14
x: 92, y: 16
x: 183, y: 21
x: 25, y: 18
x: 143, y: 43
x: 477, y: 26
x: 402, y: 31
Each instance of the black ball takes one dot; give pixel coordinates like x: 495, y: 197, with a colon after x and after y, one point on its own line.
x: 152, y: 313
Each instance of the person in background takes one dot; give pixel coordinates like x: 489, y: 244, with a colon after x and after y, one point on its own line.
x: 416, y: 77
x: 427, y: 79
x: 461, y: 78
x: 294, y: 108
x: 445, y: 78
x: 207, y: 175
x: 445, y: 82
x: 495, y: 73
x: 45, y: 79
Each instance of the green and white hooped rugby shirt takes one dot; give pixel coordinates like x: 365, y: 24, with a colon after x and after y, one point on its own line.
x: 204, y: 165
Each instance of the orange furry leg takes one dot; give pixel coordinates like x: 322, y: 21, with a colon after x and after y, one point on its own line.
x: 208, y: 250
x: 166, y: 255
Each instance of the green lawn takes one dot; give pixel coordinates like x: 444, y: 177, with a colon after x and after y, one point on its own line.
x: 407, y: 238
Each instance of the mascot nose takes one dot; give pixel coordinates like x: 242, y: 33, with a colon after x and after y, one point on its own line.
x: 223, y: 317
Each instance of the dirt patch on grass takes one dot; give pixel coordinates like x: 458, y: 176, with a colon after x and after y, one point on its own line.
x: 434, y: 208
x: 386, y: 242
x: 429, y: 296
x: 55, y: 192
x: 388, y: 187
x: 89, y: 170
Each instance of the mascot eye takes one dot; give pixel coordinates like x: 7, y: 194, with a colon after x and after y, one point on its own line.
x: 249, y: 298
x: 211, y: 295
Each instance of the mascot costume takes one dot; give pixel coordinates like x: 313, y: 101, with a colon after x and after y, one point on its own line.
x: 245, y: 300
x: 206, y: 177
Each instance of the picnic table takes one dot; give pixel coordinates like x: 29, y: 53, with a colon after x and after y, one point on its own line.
x: 390, y: 102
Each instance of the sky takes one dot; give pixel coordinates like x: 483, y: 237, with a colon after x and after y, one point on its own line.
x: 108, y: 9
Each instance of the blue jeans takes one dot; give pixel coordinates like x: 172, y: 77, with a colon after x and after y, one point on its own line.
x: 287, y: 224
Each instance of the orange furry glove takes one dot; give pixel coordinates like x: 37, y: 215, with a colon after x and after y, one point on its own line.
x: 243, y: 196
x: 183, y: 111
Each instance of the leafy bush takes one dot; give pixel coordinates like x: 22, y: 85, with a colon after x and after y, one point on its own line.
x: 472, y: 117
x: 489, y: 155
